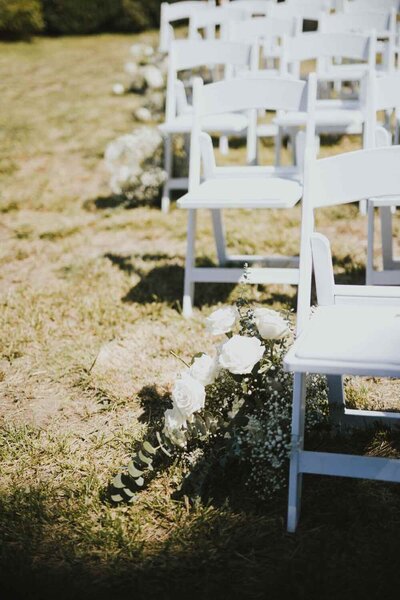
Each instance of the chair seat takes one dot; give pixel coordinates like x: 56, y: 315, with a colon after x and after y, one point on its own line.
x: 243, y: 192
x: 229, y: 123
x: 352, y: 340
x: 324, y: 117
x: 346, y: 72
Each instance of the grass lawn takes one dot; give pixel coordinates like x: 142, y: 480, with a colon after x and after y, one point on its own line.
x: 90, y: 299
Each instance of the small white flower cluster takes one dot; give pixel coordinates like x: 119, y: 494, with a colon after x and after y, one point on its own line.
x: 251, y: 386
x: 134, y: 163
x: 146, y: 70
x: 238, y: 354
x: 233, y: 409
x: 265, y: 441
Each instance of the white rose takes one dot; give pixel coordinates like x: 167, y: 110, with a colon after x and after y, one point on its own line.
x: 204, y: 369
x: 143, y: 114
x: 222, y: 320
x: 131, y: 68
x: 118, y: 89
x: 270, y: 324
x: 240, y: 354
x: 174, y: 420
x: 188, y: 395
x: 153, y: 77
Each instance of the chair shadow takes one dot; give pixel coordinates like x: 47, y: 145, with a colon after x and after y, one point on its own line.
x: 350, y: 527
x: 117, y: 201
x: 165, y: 284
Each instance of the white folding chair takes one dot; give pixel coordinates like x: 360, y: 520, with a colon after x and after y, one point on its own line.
x: 355, y: 330
x: 338, y: 116
x: 358, y: 6
x: 384, y: 96
x: 383, y: 23
x: 267, y: 31
x: 241, y: 187
x: 177, y: 11
x: 188, y: 55
x: 207, y: 21
x: 309, y: 10
x: 251, y: 8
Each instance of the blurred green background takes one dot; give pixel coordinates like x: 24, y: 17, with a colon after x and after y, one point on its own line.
x: 24, y: 18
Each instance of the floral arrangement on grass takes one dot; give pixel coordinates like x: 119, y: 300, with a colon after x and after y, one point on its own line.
x: 234, y: 405
x: 134, y: 162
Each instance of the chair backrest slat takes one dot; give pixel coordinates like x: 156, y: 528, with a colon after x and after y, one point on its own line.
x: 176, y: 11
x: 259, y: 28
x: 355, y: 176
x: 357, y: 6
x: 250, y: 8
x: 362, y: 22
x: 273, y: 93
x: 313, y: 45
x: 305, y: 9
x: 211, y: 18
x: 190, y: 54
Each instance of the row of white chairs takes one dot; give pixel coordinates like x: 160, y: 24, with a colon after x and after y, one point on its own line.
x: 281, y: 38
x: 206, y: 15
x: 216, y: 188
x: 356, y: 329
x: 332, y: 116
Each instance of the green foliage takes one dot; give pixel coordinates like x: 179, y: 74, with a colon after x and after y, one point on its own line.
x: 20, y: 18
x: 141, y: 15
x: 160, y: 450
x: 90, y: 16
x: 77, y: 16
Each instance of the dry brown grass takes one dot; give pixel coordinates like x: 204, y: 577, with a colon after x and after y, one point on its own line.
x: 90, y: 309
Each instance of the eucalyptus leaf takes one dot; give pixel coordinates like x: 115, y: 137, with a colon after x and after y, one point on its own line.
x: 117, y: 498
x: 133, y: 471
x: 117, y: 482
x: 148, y: 447
x: 145, y: 459
x: 200, y: 424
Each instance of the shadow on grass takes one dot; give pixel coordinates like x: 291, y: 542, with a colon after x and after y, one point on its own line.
x: 153, y: 404
x: 165, y: 284
x: 347, y: 546
x: 115, y: 201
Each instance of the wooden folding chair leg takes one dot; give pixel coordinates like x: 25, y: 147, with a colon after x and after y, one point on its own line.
x: 295, y: 475
x: 219, y: 236
x: 188, y: 288
x: 165, y: 200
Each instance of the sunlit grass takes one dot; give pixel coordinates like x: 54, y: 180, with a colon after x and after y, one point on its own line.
x: 90, y: 303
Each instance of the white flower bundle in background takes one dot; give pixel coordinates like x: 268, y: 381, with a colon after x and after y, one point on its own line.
x: 134, y: 162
